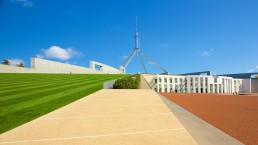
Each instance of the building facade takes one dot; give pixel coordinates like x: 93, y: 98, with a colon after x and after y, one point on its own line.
x: 196, y: 84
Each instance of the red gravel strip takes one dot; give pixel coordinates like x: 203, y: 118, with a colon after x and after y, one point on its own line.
x: 236, y: 115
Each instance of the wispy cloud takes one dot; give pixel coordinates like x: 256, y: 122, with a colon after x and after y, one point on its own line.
x: 14, y: 62
x: 125, y: 57
x: 207, y: 53
x: 39, y: 56
x: 25, y: 3
x: 163, y: 45
x: 250, y: 70
x: 150, y: 63
x: 68, y: 62
x: 59, y: 53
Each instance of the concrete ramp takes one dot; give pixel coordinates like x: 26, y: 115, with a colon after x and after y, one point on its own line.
x: 107, y: 117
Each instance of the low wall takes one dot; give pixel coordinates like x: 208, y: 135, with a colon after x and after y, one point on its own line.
x: 39, y: 65
x: 15, y: 69
x: 109, y: 85
x: 144, y: 84
x: 149, y: 77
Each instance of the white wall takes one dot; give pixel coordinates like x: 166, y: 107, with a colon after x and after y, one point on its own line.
x: 15, y: 69
x: 104, y: 68
x: 47, y: 66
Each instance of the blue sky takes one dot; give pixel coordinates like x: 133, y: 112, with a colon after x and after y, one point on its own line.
x: 181, y: 35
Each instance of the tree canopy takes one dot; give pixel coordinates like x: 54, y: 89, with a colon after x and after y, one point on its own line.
x: 6, y: 62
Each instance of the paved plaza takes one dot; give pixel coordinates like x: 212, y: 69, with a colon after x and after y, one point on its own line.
x: 106, y: 117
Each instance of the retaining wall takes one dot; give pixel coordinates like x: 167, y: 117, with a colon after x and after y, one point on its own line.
x: 39, y: 65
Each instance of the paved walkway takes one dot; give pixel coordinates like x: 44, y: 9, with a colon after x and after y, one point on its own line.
x: 133, y: 117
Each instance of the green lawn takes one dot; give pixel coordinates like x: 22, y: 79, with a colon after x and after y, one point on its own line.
x: 24, y: 97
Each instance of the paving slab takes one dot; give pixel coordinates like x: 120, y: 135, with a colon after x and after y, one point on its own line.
x: 106, y: 117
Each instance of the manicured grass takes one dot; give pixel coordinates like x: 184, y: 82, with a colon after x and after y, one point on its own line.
x: 24, y: 97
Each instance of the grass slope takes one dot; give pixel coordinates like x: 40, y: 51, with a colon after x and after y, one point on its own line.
x: 24, y: 97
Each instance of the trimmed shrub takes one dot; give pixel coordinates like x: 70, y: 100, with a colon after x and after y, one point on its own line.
x: 130, y: 82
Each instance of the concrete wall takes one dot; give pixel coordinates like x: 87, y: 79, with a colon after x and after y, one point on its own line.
x: 46, y: 66
x: 254, y: 83
x: 104, y: 68
x: 149, y: 77
x: 144, y: 84
x: 109, y: 85
x: 246, y: 86
x: 15, y: 69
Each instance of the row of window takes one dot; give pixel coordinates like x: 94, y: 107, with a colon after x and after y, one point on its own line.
x: 182, y: 81
x: 216, y: 88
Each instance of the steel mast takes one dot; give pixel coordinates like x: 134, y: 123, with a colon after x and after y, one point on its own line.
x: 139, y: 54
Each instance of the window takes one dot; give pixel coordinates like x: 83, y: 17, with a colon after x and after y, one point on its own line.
x: 175, y: 80
x: 171, y: 80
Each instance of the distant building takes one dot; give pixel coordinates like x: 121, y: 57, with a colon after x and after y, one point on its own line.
x: 203, y: 82
x: 197, y: 84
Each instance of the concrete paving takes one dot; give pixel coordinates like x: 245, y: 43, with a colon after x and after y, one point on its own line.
x: 135, y: 117
x: 203, y: 132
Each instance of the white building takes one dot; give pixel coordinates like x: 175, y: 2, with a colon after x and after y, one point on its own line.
x: 196, y: 84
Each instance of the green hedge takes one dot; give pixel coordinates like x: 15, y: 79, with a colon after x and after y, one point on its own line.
x: 130, y: 82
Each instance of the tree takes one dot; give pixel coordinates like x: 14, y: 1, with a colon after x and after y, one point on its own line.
x: 6, y: 62
x: 20, y: 65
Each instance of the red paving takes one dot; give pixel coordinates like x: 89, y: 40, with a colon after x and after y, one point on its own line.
x: 236, y: 115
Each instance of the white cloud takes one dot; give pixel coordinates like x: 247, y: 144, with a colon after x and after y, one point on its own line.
x: 257, y: 66
x: 59, y: 53
x: 207, y: 53
x: 250, y: 70
x: 14, y: 62
x: 25, y: 3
